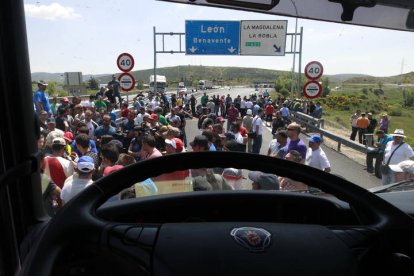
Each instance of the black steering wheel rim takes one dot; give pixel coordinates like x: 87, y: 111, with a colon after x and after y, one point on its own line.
x: 388, y: 220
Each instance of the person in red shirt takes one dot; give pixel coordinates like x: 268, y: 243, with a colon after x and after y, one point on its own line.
x: 125, y: 110
x: 243, y: 131
x: 269, y: 112
x: 57, y: 167
x: 232, y: 114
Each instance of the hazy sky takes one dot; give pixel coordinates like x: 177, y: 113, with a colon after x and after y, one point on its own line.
x: 87, y: 36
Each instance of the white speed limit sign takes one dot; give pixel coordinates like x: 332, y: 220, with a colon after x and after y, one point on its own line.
x: 312, y: 89
x: 313, y: 70
x: 125, y: 62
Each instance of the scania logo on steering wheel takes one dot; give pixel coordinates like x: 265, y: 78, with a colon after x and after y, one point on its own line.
x: 254, y: 239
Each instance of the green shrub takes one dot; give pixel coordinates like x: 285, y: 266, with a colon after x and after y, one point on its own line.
x: 284, y: 92
x: 395, y: 110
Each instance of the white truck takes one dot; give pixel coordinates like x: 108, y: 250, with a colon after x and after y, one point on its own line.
x: 181, y: 88
x: 161, y: 84
x: 205, y: 84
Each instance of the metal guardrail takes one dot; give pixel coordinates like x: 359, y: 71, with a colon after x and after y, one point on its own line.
x: 316, y: 125
x: 307, y: 120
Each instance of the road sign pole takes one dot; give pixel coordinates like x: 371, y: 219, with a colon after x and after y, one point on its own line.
x: 294, y: 59
x: 155, y: 63
x: 300, y: 62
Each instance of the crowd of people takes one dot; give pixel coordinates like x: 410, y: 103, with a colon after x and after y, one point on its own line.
x: 388, y: 150
x: 84, y: 141
x: 364, y: 124
x: 394, y: 158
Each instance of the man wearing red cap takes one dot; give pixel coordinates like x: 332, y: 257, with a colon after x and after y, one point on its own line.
x: 174, y: 181
x: 175, y: 145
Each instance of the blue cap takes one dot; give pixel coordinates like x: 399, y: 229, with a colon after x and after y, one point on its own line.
x: 86, y: 158
x: 86, y: 164
x: 315, y: 139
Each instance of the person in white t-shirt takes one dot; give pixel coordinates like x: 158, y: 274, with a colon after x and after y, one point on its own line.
x: 257, y: 127
x: 53, y: 132
x: 90, y: 124
x: 249, y: 104
x: 243, y: 107
x: 395, y: 152
x: 315, y: 156
x: 80, y: 180
x: 140, y: 117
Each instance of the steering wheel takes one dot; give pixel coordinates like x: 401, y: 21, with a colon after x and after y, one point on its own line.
x: 230, y: 248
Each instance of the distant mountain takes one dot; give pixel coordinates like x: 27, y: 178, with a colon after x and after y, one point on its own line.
x: 404, y: 78
x: 57, y: 77
x: 189, y: 74
x: 407, y: 78
x: 226, y: 75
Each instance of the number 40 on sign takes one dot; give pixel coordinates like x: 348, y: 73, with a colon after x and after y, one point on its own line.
x: 313, y: 70
x: 125, y: 62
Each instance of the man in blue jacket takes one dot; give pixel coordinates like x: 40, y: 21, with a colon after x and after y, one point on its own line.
x: 41, y: 99
x: 377, y: 153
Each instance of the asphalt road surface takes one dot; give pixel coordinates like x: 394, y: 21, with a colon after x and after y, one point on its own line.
x: 341, y: 164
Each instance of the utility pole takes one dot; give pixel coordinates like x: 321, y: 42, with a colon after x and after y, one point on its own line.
x: 155, y: 63
x: 294, y: 59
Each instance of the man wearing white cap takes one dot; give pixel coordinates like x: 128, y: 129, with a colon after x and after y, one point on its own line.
x: 396, y: 151
x: 57, y: 167
x: 403, y: 170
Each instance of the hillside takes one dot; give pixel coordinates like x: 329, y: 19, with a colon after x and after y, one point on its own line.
x: 407, y: 78
x: 228, y: 75
x: 338, y: 78
x: 216, y: 74
x: 59, y: 77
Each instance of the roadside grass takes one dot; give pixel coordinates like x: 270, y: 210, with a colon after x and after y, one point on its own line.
x: 342, y: 103
x: 369, y: 98
x: 341, y: 119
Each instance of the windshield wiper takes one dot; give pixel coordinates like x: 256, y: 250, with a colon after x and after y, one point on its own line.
x: 405, y: 185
